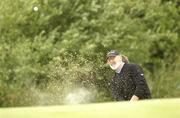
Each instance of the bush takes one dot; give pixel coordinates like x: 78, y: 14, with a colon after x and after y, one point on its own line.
x: 49, y: 48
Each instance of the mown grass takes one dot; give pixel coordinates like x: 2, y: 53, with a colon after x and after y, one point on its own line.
x: 160, y: 108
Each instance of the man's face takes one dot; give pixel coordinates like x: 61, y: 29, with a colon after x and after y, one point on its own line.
x: 114, y: 62
x: 114, y: 59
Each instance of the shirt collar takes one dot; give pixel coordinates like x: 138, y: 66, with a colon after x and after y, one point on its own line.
x: 120, y: 68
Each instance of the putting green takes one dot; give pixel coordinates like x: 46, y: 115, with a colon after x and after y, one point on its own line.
x: 160, y: 108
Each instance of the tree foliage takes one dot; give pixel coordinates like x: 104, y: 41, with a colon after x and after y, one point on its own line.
x: 49, y: 51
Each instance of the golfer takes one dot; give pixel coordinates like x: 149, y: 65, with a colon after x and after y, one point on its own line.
x: 128, y: 82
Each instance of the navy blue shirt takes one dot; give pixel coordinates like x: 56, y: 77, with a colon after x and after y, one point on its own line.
x: 130, y: 81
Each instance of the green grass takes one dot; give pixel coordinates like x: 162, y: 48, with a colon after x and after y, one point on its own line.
x: 161, y: 108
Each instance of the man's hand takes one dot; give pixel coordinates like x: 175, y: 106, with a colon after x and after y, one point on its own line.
x: 134, y: 98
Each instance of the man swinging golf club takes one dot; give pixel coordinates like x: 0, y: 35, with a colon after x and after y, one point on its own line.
x: 128, y: 82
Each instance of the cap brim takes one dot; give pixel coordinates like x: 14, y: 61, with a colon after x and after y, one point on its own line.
x: 111, y: 55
